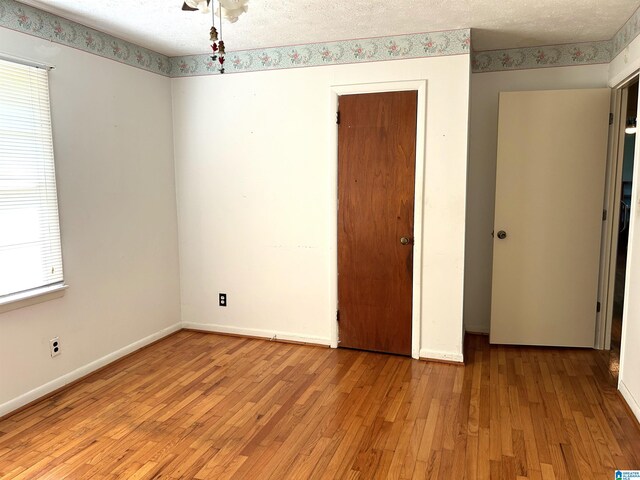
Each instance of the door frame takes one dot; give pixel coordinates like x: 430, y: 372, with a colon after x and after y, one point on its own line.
x: 362, y: 88
x: 609, y: 248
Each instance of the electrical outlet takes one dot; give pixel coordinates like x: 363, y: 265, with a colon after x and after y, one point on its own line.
x: 54, y: 347
x: 222, y: 299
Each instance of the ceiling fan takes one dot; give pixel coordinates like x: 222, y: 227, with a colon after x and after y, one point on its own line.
x: 193, y: 5
x: 229, y: 9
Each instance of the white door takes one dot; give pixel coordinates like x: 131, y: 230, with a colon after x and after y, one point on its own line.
x: 552, y: 150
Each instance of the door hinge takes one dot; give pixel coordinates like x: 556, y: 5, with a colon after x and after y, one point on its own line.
x: 337, y: 315
x: 598, y: 307
x: 338, y: 117
x: 610, y: 118
x: 604, y: 215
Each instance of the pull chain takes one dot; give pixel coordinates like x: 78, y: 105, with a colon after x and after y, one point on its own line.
x: 217, y: 45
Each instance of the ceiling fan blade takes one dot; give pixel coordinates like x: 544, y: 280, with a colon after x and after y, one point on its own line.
x: 187, y: 8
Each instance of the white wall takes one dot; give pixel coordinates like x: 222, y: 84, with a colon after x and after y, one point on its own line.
x: 113, y: 149
x: 485, y: 89
x: 627, y: 62
x: 256, y: 183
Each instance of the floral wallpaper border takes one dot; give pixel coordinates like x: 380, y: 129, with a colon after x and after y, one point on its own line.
x: 589, y: 53
x: 450, y: 42
x: 27, y: 19
x: 626, y: 34
x: 24, y: 18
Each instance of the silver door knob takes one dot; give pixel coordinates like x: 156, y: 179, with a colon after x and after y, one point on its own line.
x: 405, y: 240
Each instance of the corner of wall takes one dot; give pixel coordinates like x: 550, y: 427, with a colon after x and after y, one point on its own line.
x: 58, y: 383
x: 632, y: 402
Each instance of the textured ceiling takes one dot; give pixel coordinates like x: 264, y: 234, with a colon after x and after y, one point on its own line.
x: 160, y: 25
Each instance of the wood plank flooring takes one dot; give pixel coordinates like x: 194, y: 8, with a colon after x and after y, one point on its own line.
x: 207, y: 406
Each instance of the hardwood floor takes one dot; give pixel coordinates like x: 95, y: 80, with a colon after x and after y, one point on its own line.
x: 211, y: 407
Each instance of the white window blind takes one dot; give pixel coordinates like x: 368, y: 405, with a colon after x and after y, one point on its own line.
x: 30, y: 253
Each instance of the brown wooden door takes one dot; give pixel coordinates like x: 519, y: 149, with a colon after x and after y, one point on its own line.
x: 376, y: 170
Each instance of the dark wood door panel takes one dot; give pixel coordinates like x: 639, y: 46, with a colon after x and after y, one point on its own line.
x: 376, y: 177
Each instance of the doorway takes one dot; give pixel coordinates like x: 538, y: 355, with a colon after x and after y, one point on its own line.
x: 376, y: 188
x: 622, y: 196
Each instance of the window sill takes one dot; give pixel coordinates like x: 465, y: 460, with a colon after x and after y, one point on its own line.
x: 31, y: 297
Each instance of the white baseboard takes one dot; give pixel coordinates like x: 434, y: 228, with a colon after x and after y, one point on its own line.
x: 59, y: 382
x: 631, y: 401
x: 441, y: 356
x: 255, y: 332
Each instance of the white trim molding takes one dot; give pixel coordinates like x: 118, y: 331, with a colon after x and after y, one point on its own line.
x: 31, y: 297
x: 426, y: 354
x: 257, y: 333
x: 43, y: 390
x: 628, y: 397
x: 336, y: 91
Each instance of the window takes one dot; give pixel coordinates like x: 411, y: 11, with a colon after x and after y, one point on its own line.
x: 30, y: 253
